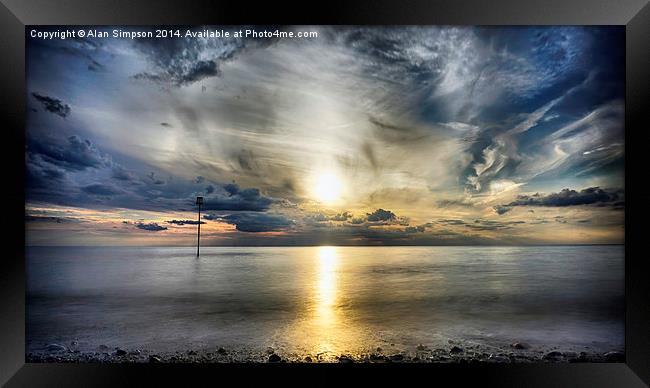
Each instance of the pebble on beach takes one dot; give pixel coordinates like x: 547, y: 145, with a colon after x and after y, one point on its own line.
x: 614, y: 357
x: 520, y: 345
x: 456, y: 350
x: 459, y: 352
x: 56, y: 348
x: 553, y: 356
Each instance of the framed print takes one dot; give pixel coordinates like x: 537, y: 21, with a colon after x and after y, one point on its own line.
x: 202, y: 189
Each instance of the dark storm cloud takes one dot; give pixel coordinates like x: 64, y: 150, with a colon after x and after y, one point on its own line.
x: 256, y: 222
x: 180, y: 62
x: 53, y: 105
x: 74, y: 155
x: 41, y: 175
x: 185, y: 222
x: 181, y: 77
x: 100, y: 189
x: 232, y: 197
x: 152, y: 227
x: 121, y: 174
x: 57, y: 220
x: 566, y: 197
x: 55, y: 170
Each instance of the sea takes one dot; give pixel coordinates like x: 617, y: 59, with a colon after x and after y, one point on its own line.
x: 327, y: 299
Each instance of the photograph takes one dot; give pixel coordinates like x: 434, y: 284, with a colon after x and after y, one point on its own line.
x: 325, y: 194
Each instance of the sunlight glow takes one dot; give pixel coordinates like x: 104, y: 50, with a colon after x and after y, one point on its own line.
x: 327, y: 188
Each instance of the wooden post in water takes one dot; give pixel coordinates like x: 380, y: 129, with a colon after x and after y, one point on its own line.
x: 199, y: 201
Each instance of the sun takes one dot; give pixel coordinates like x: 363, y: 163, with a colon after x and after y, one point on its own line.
x: 327, y: 188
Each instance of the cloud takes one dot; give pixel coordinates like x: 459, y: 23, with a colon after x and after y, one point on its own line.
x: 185, y: 222
x: 76, y: 154
x: 41, y: 175
x: 490, y: 225
x: 121, y: 174
x: 567, y: 197
x: 499, y: 209
x: 462, y: 202
x: 154, y: 180
x: 452, y: 222
x: 381, y: 215
x: 100, y: 189
x: 339, y: 217
x: 53, y: 105
x: 181, y: 62
x: 481, y: 225
x: 533, y: 118
x: 495, y: 158
x: 151, y: 227
x: 255, y: 222
x: 462, y: 127
x: 93, y: 65
x: 57, y: 220
x: 195, y: 72
x: 232, y: 197
x: 422, y: 120
x: 417, y: 228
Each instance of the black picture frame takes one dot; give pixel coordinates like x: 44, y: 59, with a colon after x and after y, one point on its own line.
x: 633, y: 14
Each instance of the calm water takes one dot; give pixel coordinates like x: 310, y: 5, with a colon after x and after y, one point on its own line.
x: 325, y: 299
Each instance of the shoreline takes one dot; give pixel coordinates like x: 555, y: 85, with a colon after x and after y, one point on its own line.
x: 517, y: 353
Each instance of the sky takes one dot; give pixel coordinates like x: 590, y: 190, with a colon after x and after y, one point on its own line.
x: 427, y: 135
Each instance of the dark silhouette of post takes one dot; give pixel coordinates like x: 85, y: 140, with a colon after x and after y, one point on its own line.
x: 199, y: 201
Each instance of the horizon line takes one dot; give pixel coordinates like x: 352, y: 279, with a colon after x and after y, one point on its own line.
x: 320, y: 245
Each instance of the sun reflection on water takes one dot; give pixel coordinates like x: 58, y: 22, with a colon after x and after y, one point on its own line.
x: 326, y: 297
x: 327, y: 328
x: 325, y: 315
